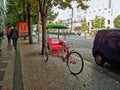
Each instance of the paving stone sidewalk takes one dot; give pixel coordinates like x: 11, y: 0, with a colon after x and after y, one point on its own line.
x: 53, y: 75
x: 5, y: 58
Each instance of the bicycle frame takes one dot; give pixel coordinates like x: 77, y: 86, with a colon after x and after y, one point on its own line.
x: 63, y: 51
x: 72, y: 58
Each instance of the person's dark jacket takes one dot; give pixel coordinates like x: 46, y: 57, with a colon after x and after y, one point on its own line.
x: 1, y: 34
x: 14, y: 33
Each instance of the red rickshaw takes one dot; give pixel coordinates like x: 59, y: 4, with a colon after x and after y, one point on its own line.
x: 59, y: 48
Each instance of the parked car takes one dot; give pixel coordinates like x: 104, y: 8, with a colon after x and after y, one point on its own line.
x: 106, y: 46
x: 33, y: 33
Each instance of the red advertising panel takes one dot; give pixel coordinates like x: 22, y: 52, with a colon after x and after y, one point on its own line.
x: 23, y: 28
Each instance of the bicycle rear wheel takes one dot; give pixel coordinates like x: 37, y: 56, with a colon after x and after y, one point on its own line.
x: 75, y: 63
x: 46, y: 55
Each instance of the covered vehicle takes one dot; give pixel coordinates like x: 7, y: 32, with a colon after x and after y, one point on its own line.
x: 106, y: 46
x: 55, y: 43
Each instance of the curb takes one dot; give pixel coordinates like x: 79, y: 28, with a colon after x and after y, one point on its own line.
x: 21, y: 56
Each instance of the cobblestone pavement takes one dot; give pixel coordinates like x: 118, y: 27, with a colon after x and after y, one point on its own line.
x: 53, y: 75
x: 5, y: 56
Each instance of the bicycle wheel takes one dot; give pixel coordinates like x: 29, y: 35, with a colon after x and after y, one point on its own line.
x: 75, y: 63
x: 46, y: 55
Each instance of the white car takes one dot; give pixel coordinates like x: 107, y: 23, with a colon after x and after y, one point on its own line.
x: 33, y: 33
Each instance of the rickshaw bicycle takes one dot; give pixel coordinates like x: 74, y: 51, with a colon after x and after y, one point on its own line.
x: 58, y: 48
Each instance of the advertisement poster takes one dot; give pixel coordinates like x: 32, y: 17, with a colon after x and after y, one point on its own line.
x: 23, y: 28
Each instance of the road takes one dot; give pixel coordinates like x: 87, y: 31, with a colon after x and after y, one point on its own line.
x: 83, y: 46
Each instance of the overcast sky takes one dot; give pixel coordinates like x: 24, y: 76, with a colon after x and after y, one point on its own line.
x: 97, y: 7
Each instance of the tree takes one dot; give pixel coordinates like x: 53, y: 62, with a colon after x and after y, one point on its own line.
x: 84, y: 26
x: 98, y: 22
x: 14, y: 12
x: 45, y: 5
x: 20, y: 10
x: 51, y: 15
x: 117, y: 22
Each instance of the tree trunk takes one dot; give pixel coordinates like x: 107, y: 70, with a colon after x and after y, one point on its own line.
x: 29, y: 23
x: 43, y: 18
x: 24, y: 18
x: 38, y: 25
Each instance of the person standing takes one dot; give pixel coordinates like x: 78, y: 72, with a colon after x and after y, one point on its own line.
x: 14, y: 36
x: 1, y: 38
x: 8, y: 35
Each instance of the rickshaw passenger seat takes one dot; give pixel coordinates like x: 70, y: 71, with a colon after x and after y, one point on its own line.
x: 54, y: 41
x: 55, y: 44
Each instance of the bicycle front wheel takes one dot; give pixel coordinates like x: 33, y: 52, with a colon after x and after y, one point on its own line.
x: 75, y: 63
x: 46, y: 55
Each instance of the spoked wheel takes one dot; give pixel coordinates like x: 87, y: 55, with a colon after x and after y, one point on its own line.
x: 75, y: 63
x: 46, y: 55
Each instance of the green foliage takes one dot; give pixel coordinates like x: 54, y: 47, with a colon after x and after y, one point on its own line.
x: 34, y: 14
x: 45, y: 5
x: 117, y: 22
x: 17, y: 11
x: 14, y: 12
x: 63, y: 4
x: 98, y: 22
x: 84, y: 26
x: 51, y: 15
